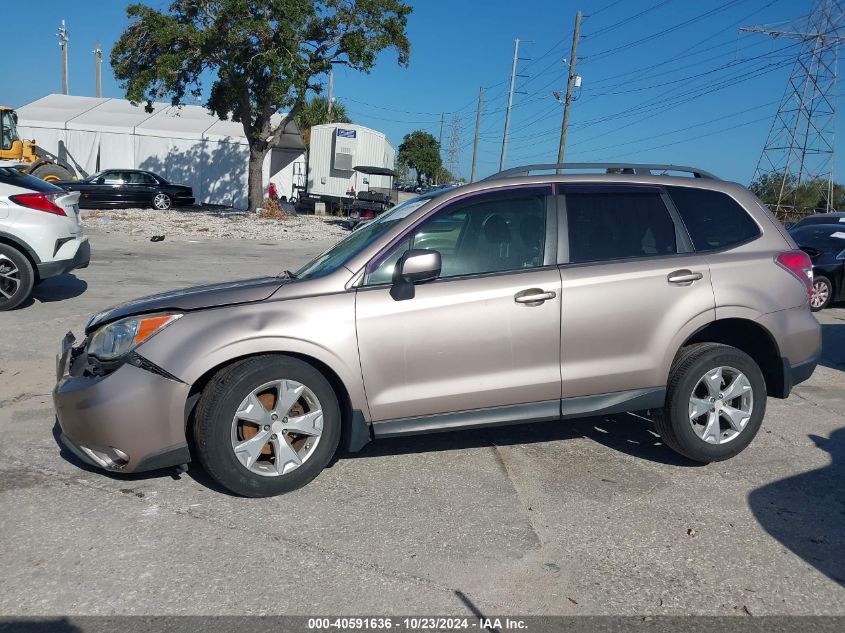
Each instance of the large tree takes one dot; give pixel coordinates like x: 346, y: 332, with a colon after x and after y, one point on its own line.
x: 421, y: 151
x: 260, y: 57
x: 315, y: 111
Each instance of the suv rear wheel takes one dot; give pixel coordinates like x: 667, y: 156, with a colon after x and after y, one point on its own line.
x: 267, y: 425
x: 17, y: 277
x: 715, y: 402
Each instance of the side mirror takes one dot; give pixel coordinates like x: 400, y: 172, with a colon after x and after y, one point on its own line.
x: 415, y: 266
x: 100, y: 181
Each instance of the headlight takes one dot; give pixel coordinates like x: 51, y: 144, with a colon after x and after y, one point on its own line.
x: 121, y: 337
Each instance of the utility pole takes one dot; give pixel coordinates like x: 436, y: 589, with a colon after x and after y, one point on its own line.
x: 477, y: 126
x: 570, y: 84
x: 510, y: 105
x: 799, y: 149
x: 98, y: 74
x: 455, y: 146
x: 331, y: 94
x: 63, y: 40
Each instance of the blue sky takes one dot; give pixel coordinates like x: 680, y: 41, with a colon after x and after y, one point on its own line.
x: 685, y: 88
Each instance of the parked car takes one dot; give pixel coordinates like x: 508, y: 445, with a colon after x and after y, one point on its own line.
x: 40, y: 234
x: 129, y: 188
x: 834, y: 217
x: 520, y: 298
x: 825, y: 244
x: 363, y: 211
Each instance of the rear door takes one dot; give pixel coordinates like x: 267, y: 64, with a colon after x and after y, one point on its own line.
x: 471, y: 339
x: 140, y: 188
x: 632, y: 288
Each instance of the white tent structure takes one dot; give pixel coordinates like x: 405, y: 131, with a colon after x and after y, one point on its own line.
x: 185, y: 144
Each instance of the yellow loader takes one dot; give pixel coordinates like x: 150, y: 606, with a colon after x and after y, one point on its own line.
x: 38, y: 162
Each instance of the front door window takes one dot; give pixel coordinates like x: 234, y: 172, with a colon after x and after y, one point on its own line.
x: 485, y: 234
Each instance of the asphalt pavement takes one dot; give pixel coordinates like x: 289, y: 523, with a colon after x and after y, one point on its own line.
x: 590, y: 516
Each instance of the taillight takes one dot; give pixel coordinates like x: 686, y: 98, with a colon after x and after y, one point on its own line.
x: 798, y: 263
x: 40, y: 202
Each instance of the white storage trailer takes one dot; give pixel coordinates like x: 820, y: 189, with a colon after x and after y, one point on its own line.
x: 335, y: 150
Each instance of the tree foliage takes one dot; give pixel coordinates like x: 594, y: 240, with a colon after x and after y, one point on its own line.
x: 421, y: 151
x: 316, y: 112
x: 259, y: 56
x: 806, y: 197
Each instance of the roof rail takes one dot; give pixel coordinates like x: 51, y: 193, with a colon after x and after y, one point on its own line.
x: 622, y: 168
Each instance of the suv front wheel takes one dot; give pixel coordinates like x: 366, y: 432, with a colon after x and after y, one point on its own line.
x: 715, y: 402
x: 266, y: 425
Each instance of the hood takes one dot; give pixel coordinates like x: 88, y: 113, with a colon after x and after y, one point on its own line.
x: 195, y: 298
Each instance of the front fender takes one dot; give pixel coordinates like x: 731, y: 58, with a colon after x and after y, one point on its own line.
x: 320, y: 327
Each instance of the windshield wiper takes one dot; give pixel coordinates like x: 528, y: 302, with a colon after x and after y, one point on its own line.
x: 286, y: 274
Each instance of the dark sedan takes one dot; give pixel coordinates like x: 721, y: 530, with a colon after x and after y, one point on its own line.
x: 834, y: 217
x: 825, y: 244
x: 129, y: 188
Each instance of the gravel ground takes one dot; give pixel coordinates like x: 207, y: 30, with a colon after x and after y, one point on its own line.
x: 204, y: 224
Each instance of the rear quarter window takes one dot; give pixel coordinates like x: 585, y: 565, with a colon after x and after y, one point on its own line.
x: 713, y: 219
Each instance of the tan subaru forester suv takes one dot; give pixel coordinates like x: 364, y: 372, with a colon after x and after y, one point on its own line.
x: 541, y: 293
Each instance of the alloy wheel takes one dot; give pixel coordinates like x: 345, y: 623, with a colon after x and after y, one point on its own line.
x: 10, y: 278
x: 720, y: 405
x: 161, y: 201
x: 820, y: 294
x: 277, y: 427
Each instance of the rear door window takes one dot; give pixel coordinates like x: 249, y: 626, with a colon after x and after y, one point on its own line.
x: 606, y: 226
x: 713, y: 219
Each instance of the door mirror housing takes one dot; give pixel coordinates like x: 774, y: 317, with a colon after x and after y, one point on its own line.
x: 100, y: 181
x: 414, y: 267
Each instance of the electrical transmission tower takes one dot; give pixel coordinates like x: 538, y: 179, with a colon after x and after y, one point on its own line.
x: 799, y: 150
x: 454, y: 159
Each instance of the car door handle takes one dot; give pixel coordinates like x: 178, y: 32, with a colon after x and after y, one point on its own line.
x: 683, y: 277
x: 533, y: 296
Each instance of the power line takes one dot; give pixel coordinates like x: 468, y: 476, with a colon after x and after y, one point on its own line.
x: 627, y: 20
x: 661, y: 33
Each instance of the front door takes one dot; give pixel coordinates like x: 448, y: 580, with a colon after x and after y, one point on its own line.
x: 486, y: 333
x: 632, y: 289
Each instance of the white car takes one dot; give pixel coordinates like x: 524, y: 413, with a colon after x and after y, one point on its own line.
x: 41, y: 235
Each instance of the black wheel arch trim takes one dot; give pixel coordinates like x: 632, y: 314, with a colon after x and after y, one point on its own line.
x: 20, y: 245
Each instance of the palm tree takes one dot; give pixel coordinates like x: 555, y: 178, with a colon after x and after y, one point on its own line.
x: 316, y: 112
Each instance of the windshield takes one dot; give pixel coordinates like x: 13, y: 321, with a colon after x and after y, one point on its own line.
x: 821, y: 218
x: 820, y: 236
x: 343, y: 251
x: 9, y: 129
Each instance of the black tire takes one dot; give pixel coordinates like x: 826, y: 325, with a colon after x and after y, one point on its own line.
x: 51, y: 172
x: 17, y: 277
x: 672, y: 422
x: 161, y: 201
x: 216, y: 409
x: 827, y: 287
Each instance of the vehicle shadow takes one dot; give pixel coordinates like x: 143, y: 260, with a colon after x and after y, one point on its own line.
x: 55, y: 289
x: 38, y: 625
x: 833, y: 346
x: 59, y: 288
x: 806, y: 512
x: 632, y: 434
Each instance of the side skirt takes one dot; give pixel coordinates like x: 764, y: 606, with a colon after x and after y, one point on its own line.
x: 582, y: 406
